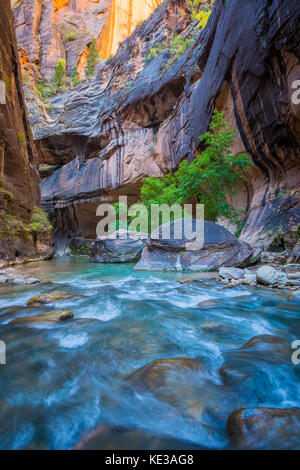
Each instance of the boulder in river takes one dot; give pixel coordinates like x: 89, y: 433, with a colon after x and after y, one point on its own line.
x: 231, y: 273
x: 48, y: 298
x: 264, y: 428
x: 267, y: 276
x: 159, y: 372
x: 55, y: 316
x: 167, y: 251
x: 173, y: 380
x: 269, y: 343
x: 245, y: 362
x: 120, y: 247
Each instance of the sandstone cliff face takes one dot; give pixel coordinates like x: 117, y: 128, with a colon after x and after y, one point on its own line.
x: 19, y: 186
x: 137, y: 119
x: 49, y: 30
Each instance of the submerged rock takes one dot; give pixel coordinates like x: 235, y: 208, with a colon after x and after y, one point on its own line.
x: 55, y: 316
x: 159, y: 372
x: 265, y: 342
x: 120, y: 247
x: 175, y: 252
x: 174, y: 381
x: 243, y: 363
x: 48, y: 298
x: 264, y: 428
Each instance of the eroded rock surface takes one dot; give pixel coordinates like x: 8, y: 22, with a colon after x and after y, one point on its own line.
x: 265, y: 428
x: 56, y: 296
x: 19, y: 180
x: 55, y: 316
x: 120, y: 247
x: 49, y: 30
x: 220, y: 248
x: 138, y: 119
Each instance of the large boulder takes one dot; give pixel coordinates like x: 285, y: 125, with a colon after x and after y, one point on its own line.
x: 267, y: 275
x: 264, y: 428
x: 120, y: 247
x: 220, y: 248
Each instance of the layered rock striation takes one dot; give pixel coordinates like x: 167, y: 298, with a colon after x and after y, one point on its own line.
x: 19, y: 179
x: 49, y: 30
x: 141, y: 117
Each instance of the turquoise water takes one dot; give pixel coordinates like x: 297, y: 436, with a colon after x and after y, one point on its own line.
x: 63, y: 381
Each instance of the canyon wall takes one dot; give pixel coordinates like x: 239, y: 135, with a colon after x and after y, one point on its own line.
x: 141, y: 117
x: 19, y: 181
x: 49, y: 30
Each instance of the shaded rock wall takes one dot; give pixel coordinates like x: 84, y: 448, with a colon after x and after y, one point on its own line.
x: 137, y: 119
x: 19, y: 188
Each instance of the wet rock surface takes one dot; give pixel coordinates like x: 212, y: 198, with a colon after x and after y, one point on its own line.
x: 10, y: 277
x: 55, y: 316
x: 56, y: 296
x: 108, y: 137
x: 241, y: 365
x: 264, y: 428
x: 284, y: 277
x: 176, y: 253
x: 120, y: 247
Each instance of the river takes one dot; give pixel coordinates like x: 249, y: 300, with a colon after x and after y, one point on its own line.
x: 62, y: 381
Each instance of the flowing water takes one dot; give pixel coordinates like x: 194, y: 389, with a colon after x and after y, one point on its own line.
x: 63, y: 381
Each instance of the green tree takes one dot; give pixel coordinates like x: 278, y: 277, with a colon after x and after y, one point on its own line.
x: 75, y: 76
x: 210, y: 178
x: 60, y: 73
x: 92, y: 59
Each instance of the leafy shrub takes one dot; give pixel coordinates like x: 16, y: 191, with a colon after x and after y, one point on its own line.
x: 3, y: 191
x: 92, y: 59
x: 60, y: 74
x: 200, y: 11
x: 75, y: 79
x: 210, y: 177
x: 40, y: 221
x: 155, y: 50
x: 11, y: 225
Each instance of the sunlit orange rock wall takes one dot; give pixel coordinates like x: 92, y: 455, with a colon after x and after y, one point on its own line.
x: 124, y: 16
x: 49, y: 30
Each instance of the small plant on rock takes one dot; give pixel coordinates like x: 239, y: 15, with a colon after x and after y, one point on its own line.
x: 92, y: 60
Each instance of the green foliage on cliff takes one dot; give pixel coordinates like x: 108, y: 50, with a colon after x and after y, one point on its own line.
x: 92, y: 60
x: 70, y: 36
x: 200, y: 11
x: 12, y: 225
x: 3, y: 191
x: 155, y: 50
x: 75, y: 79
x: 40, y: 221
x: 60, y: 73
x: 210, y: 178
